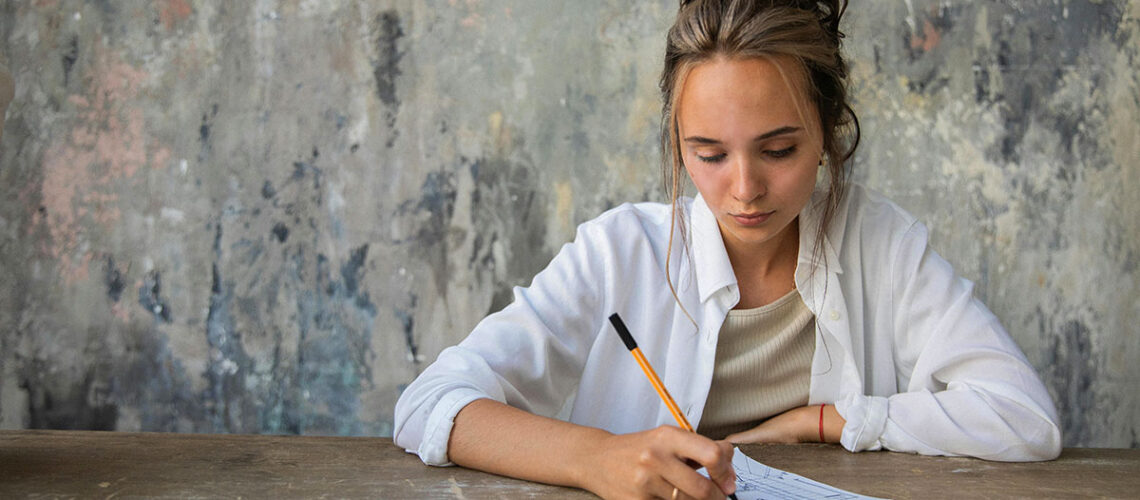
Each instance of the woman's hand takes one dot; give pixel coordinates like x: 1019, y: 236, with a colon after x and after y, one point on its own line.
x: 798, y: 425
x: 650, y: 464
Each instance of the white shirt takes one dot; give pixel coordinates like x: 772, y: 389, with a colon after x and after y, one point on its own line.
x: 907, y: 355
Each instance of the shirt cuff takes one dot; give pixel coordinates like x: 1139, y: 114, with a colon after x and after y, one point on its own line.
x: 433, y: 448
x: 866, y: 418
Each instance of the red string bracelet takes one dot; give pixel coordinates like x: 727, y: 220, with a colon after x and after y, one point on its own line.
x: 821, y: 422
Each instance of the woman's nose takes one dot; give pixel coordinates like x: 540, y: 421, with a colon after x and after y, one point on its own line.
x: 748, y: 182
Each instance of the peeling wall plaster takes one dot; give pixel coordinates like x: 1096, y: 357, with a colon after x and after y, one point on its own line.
x: 268, y: 216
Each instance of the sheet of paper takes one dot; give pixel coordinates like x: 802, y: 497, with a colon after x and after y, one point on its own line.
x: 755, y: 480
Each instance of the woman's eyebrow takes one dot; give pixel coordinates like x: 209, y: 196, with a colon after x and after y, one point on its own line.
x: 766, y: 135
x: 780, y: 131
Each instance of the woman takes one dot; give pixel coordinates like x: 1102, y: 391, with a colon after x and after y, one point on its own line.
x: 780, y: 305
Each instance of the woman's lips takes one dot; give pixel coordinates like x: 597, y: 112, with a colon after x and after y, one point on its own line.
x: 752, y: 218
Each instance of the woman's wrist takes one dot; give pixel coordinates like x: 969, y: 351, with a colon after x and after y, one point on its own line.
x: 831, y: 424
x: 581, y: 461
x: 822, y: 408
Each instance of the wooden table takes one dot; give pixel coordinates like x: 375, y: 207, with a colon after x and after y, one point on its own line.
x: 124, y: 465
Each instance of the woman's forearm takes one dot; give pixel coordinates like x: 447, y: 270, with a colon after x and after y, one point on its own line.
x: 494, y: 437
x: 497, y: 438
x: 799, y: 425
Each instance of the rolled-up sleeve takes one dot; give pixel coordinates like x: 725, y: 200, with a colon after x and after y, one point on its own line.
x: 866, y: 417
x: 428, y: 427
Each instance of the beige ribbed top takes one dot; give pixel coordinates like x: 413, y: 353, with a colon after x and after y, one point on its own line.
x: 763, y: 366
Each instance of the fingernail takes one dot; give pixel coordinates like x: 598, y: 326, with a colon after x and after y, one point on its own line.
x: 730, y: 485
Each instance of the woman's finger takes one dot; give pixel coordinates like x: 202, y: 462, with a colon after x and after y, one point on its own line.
x: 690, y: 482
x: 714, y: 456
x: 759, y: 434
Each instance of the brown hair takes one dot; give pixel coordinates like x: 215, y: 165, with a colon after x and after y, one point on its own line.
x: 805, y: 32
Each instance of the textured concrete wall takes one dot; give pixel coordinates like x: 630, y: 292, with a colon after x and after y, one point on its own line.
x: 267, y: 216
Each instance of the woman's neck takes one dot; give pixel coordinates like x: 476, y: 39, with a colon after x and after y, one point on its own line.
x: 765, y: 272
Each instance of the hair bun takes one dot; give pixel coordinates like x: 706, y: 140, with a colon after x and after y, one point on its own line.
x: 829, y: 13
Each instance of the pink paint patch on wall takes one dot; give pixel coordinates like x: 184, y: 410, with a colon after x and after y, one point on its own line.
x: 930, y: 38
x: 172, y: 12
x: 86, y: 168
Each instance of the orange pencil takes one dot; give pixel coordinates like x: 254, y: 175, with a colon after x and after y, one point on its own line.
x: 627, y: 338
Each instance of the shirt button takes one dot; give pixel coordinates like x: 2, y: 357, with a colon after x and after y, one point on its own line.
x: 834, y: 315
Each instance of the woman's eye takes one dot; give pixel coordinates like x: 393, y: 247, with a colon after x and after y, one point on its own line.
x: 782, y: 153
x: 711, y: 159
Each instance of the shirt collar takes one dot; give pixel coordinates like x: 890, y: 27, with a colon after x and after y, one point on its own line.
x: 714, y: 270
x: 810, y: 218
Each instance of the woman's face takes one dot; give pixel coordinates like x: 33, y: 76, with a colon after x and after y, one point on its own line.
x: 750, y: 150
